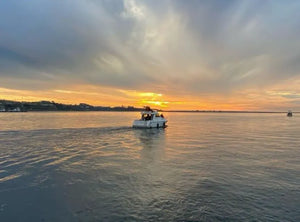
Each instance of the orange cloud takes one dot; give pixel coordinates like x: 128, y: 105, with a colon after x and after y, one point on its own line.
x: 272, y: 98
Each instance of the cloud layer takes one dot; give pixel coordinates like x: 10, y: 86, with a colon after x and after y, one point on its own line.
x: 187, y: 49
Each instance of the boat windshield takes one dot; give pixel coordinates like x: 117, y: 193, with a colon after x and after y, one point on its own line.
x: 147, y: 117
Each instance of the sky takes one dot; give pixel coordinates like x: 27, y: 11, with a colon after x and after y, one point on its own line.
x: 169, y: 54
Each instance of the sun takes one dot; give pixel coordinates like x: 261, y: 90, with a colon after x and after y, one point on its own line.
x: 162, y: 104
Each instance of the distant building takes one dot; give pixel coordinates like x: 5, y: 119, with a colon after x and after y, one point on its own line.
x: 16, y: 109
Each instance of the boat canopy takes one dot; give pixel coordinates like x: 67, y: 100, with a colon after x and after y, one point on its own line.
x: 149, y: 112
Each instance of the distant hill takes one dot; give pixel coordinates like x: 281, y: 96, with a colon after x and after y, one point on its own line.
x: 16, y: 106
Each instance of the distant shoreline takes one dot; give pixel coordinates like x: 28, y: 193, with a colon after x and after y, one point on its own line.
x: 8, y: 106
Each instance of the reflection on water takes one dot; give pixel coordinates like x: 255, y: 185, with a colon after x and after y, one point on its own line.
x: 59, y: 120
x: 203, y: 167
x: 153, y: 143
x: 150, y: 137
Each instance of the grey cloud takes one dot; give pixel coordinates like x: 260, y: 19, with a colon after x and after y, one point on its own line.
x: 195, y: 46
x: 292, y: 96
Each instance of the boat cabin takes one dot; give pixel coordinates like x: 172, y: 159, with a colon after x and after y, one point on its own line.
x: 150, y: 115
x: 150, y: 119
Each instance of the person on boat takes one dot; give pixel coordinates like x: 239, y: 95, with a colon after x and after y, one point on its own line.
x: 148, y: 109
x: 161, y: 115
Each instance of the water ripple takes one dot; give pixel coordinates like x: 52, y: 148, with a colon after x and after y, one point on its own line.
x: 201, y: 168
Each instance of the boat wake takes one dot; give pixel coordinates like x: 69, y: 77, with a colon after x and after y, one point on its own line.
x: 119, y: 128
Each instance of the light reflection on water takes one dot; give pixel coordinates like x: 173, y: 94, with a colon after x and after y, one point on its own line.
x: 202, y: 167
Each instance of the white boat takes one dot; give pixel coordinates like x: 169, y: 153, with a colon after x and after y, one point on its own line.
x: 290, y: 114
x: 150, y: 119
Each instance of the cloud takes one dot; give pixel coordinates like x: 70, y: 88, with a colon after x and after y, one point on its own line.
x: 187, y: 48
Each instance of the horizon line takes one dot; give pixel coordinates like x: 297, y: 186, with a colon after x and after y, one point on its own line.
x: 160, y: 109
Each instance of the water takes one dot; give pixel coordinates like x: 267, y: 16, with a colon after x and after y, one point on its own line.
x: 92, y: 166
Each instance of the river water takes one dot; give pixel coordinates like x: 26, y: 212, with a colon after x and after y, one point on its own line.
x: 92, y: 166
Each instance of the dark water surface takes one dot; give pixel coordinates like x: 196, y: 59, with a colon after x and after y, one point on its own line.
x: 92, y: 166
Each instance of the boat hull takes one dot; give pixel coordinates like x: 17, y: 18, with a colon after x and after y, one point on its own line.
x: 149, y: 124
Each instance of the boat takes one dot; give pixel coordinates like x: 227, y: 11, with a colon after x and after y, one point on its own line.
x: 289, y: 114
x: 150, y: 119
